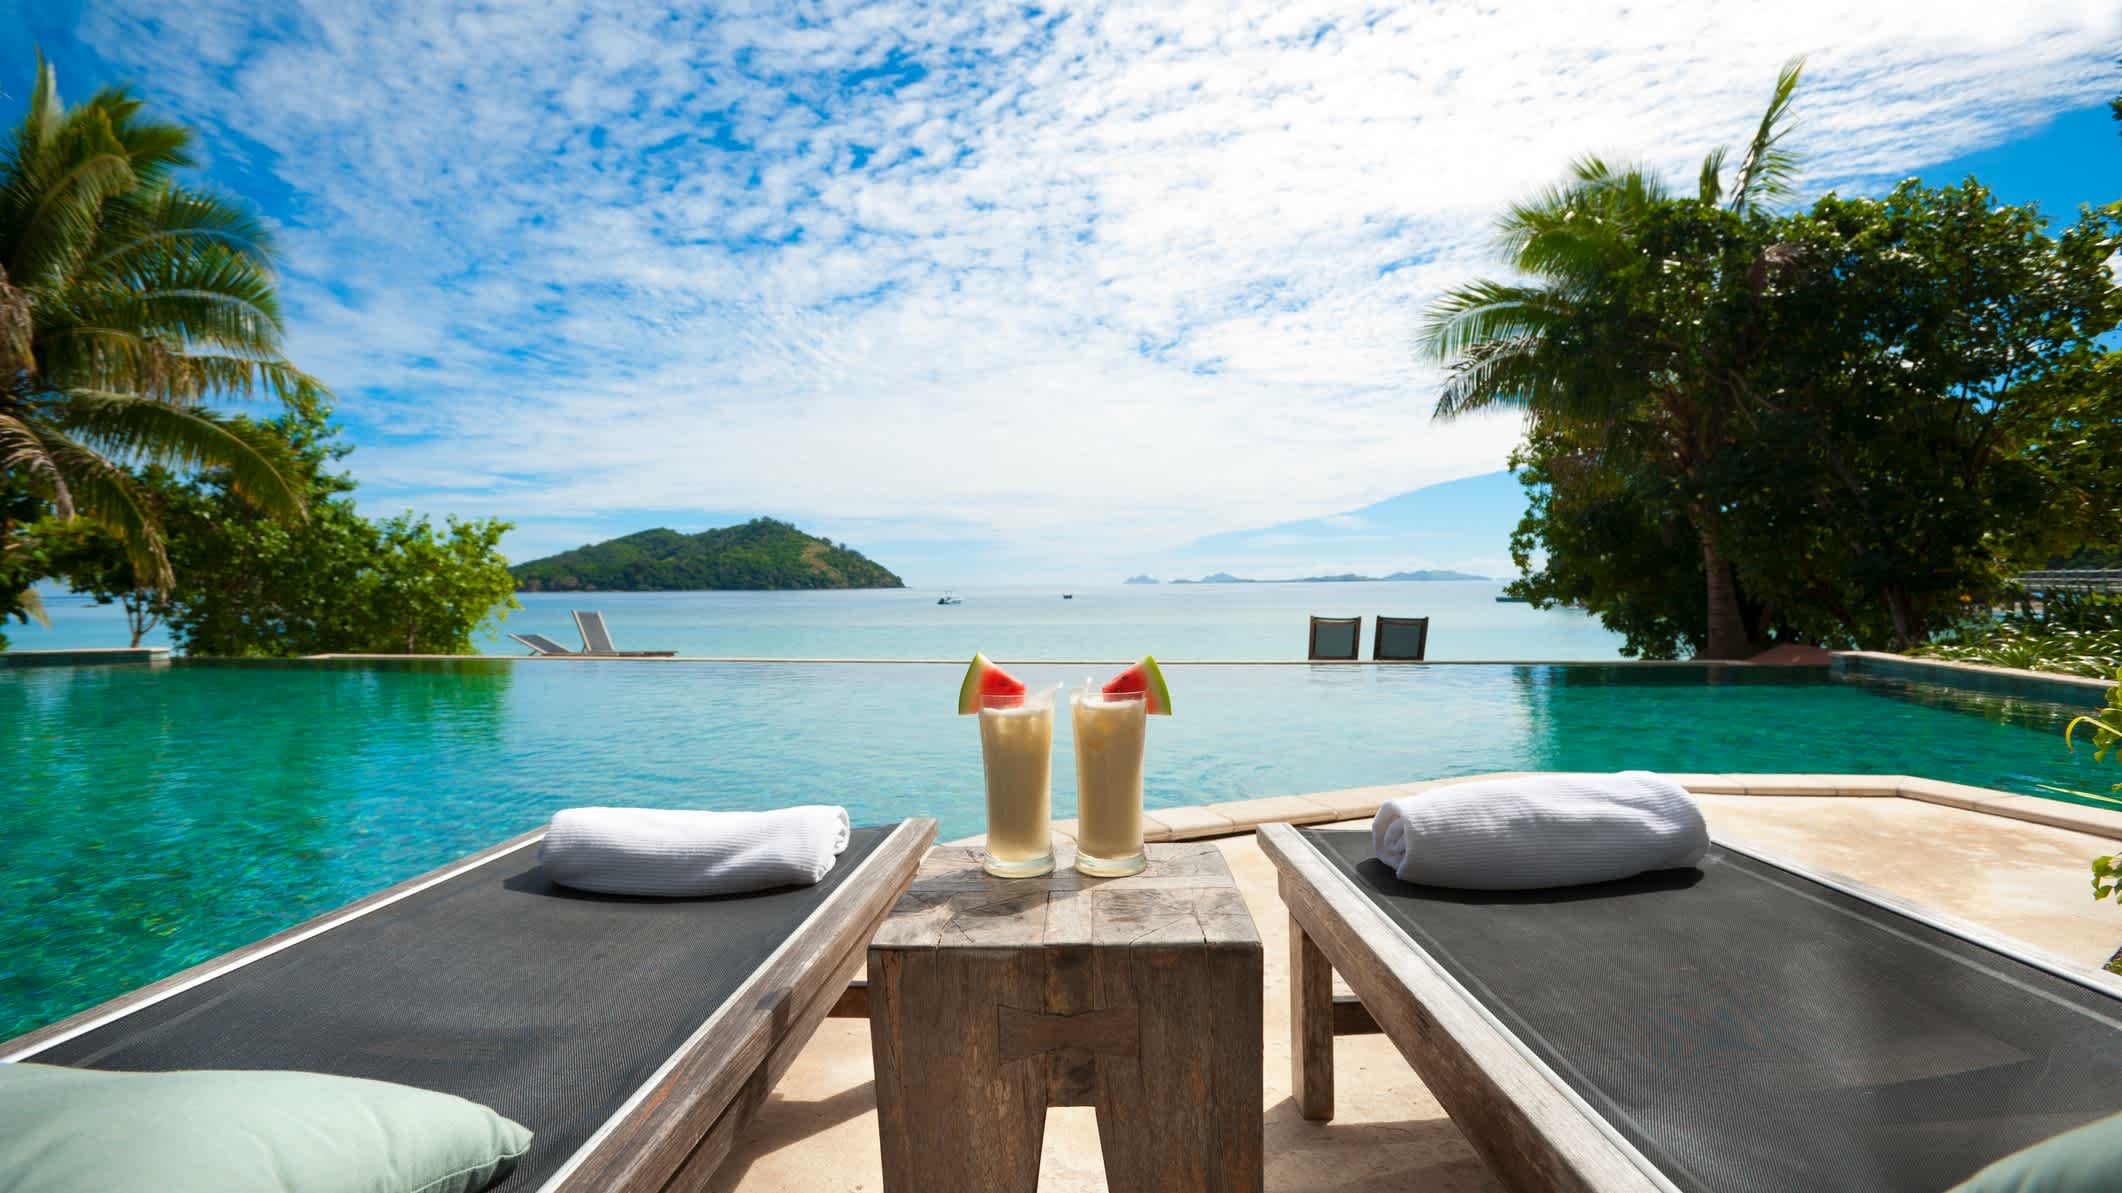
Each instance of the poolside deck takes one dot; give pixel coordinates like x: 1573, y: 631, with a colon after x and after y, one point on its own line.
x: 818, y: 1130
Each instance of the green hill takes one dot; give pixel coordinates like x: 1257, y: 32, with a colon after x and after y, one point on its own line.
x: 762, y: 553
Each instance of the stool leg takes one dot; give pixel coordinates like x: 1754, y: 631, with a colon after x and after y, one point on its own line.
x: 951, y: 1114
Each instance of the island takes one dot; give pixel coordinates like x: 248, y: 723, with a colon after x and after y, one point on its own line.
x: 1343, y: 578
x: 760, y: 554
x: 1140, y: 580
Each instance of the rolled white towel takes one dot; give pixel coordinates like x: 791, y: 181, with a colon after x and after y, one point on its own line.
x: 1540, y: 831
x: 653, y: 851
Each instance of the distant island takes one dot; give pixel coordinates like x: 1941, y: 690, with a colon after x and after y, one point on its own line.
x: 1140, y: 580
x: 1343, y: 578
x: 761, y: 553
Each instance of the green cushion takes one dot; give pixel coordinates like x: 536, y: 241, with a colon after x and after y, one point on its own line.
x: 2087, y: 1160
x: 63, y: 1130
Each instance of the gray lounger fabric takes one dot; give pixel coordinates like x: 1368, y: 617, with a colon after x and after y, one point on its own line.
x: 1748, y: 1029
x: 549, y: 1005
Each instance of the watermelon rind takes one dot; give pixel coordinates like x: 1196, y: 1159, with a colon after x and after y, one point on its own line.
x: 977, y: 674
x: 1154, y: 692
x: 969, y: 691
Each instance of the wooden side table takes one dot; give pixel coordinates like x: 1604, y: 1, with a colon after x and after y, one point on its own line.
x: 992, y: 999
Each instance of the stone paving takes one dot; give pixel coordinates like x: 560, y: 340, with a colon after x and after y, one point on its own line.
x: 818, y: 1130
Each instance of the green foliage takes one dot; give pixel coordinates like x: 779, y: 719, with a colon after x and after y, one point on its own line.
x: 2105, y: 725
x: 761, y: 553
x: 250, y: 584
x: 127, y: 302
x: 1841, y: 425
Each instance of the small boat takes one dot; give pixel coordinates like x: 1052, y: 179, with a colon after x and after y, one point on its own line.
x: 948, y: 599
x: 1068, y: 596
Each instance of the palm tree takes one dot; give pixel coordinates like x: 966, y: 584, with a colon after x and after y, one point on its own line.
x: 128, y: 302
x: 1525, y: 345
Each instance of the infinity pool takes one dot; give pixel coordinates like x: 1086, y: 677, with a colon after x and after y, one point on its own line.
x: 158, y: 817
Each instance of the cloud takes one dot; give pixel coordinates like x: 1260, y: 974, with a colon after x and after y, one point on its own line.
x: 1089, y: 279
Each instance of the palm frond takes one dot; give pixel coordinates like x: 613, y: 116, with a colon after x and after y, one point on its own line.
x: 30, y: 605
x: 148, y: 432
x: 24, y: 452
x: 1710, y: 189
x: 1769, y: 171
x: 175, y: 219
x: 106, y: 495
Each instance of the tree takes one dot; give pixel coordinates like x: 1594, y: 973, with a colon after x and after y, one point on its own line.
x: 128, y: 301
x: 1613, y: 329
x: 1927, y: 412
x: 251, y: 584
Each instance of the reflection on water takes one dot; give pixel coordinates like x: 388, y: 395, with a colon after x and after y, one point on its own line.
x: 161, y: 816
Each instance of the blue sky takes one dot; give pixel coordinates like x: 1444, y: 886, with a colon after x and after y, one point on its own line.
x: 993, y: 292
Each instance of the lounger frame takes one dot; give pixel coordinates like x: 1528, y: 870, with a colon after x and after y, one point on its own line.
x: 1354, y: 626
x: 1532, y: 1129
x: 678, y: 1126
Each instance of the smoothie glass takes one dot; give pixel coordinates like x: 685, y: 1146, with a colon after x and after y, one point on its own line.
x: 1017, y: 750
x: 1109, y: 738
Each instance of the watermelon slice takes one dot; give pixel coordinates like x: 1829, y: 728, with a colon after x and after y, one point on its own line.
x: 1144, y: 679
x: 985, y: 680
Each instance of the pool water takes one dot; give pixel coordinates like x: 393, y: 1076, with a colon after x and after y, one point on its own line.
x: 159, y: 816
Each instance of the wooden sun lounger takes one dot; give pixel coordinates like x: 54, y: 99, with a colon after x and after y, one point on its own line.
x: 1747, y: 1027
x: 634, y: 1037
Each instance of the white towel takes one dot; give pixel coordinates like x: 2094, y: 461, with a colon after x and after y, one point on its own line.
x: 651, y: 851
x: 1540, y: 831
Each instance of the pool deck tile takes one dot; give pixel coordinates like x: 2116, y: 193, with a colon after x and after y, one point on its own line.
x: 1184, y: 823
x: 1278, y: 809
x: 1853, y: 785
x: 2097, y: 822
x: 1952, y: 795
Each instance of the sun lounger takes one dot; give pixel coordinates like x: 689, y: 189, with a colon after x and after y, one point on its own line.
x: 541, y: 645
x: 634, y: 1036
x: 1748, y: 1026
x: 597, y: 639
x: 1334, y: 639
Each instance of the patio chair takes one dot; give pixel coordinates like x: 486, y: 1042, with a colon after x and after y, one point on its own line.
x: 636, y: 1062
x: 1400, y: 639
x: 597, y: 639
x: 1335, y: 639
x: 1745, y: 1027
x: 541, y: 645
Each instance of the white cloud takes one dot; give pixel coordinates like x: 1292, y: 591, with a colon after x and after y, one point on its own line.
x: 1104, y: 279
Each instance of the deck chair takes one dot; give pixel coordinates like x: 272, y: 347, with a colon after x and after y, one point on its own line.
x: 1745, y: 1027
x: 541, y: 645
x: 1400, y: 639
x: 597, y: 639
x: 1335, y: 639
x: 636, y: 1062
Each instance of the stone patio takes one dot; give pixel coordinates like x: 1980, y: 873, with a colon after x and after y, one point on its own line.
x: 818, y: 1131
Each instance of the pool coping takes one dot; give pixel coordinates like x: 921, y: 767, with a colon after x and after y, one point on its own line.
x: 1981, y: 677
x: 85, y: 656
x: 1355, y: 803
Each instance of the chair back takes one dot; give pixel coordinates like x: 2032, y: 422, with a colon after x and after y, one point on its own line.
x: 1400, y: 638
x: 1335, y: 639
x: 541, y: 644
x: 596, y: 639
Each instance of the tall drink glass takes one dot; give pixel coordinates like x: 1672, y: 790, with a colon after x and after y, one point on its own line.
x: 1109, y: 740
x: 1017, y: 750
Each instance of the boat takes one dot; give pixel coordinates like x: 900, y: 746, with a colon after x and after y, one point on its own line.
x: 1068, y: 596
x: 948, y: 599
x: 1512, y: 600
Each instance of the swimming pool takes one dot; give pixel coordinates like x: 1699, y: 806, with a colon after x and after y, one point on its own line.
x: 159, y: 816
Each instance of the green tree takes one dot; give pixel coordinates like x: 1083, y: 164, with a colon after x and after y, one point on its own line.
x: 1614, y: 327
x: 128, y: 301
x: 251, y: 584
x: 1926, y: 415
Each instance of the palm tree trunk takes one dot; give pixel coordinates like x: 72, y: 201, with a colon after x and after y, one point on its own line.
x: 1904, y: 614
x: 1726, y: 637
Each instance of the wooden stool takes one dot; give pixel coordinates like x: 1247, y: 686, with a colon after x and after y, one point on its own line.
x: 992, y: 999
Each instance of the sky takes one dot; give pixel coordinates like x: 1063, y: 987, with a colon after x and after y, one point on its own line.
x: 992, y: 292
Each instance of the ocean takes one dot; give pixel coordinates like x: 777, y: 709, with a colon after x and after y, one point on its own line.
x: 1171, y: 621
